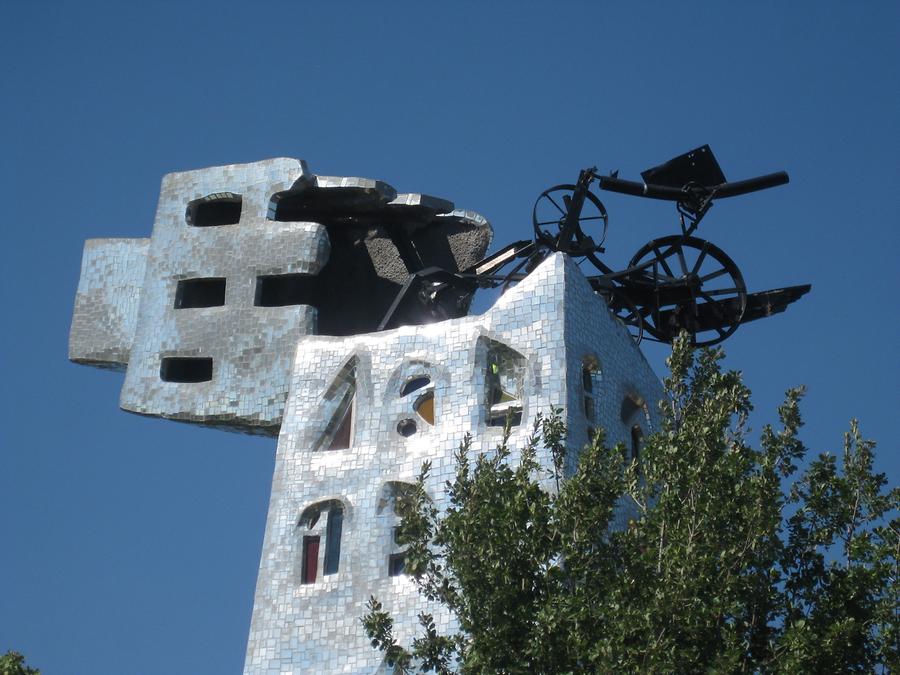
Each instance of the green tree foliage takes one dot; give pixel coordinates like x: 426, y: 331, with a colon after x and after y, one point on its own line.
x: 13, y: 663
x: 734, y: 561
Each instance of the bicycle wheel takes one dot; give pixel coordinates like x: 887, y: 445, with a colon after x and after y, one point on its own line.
x: 549, y: 215
x: 694, y: 286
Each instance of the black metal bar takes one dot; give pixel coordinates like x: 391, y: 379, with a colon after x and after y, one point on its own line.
x: 741, y: 187
x: 630, y: 187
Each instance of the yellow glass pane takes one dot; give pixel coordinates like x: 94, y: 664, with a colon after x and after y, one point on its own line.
x: 425, y: 408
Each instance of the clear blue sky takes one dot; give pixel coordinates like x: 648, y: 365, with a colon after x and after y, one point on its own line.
x: 130, y: 545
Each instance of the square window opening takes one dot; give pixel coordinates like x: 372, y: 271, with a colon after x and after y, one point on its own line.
x: 186, y: 369
x: 281, y: 290
x: 191, y: 293
x: 222, y: 208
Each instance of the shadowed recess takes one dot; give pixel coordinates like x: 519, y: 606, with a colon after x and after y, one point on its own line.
x: 186, y: 369
x: 280, y: 290
x: 192, y: 293
x: 222, y: 208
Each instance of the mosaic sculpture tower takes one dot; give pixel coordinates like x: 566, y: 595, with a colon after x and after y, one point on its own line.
x: 253, y: 307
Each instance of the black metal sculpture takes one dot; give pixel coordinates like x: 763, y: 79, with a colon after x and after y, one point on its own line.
x: 678, y: 282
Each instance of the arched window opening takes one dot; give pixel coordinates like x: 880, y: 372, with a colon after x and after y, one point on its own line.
x: 631, y: 405
x: 340, y: 409
x: 313, y: 530
x: 422, y: 387
x: 590, y: 388
x: 220, y: 208
x: 505, y: 380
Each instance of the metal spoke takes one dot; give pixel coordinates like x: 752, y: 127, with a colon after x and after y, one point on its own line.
x: 699, y: 261
x: 682, y: 261
x: 575, y: 206
x: 713, y: 305
x: 553, y: 201
x: 713, y: 275
x: 685, y: 298
x: 662, y: 261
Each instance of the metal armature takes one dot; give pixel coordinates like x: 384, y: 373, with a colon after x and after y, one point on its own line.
x: 673, y: 283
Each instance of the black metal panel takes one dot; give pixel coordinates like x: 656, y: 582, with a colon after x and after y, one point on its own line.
x: 697, y: 166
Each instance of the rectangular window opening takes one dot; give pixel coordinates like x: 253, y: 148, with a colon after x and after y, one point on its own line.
x: 396, y: 564
x: 186, y: 369
x: 280, y: 290
x: 192, y: 293
x: 501, y: 412
x: 505, y: 383
x: 587, y: 380
x: 637, y: 437
x: 310, y: 559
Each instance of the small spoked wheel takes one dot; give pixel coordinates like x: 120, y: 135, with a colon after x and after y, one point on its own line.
x: 549, y: 216
x: 689, y: 284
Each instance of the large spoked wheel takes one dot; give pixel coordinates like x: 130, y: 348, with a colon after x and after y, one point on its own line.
x: 624, y: 311
x: 689, y: 284
x: 549, y: 217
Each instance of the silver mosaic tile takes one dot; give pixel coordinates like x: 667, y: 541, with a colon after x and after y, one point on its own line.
x: 187, y: 312
x: 215, y: 317
x: 552, y: 320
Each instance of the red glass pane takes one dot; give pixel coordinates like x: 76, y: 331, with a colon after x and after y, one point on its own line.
x: 310, y: 559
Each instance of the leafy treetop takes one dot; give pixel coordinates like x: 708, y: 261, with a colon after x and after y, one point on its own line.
x: 731, y: 562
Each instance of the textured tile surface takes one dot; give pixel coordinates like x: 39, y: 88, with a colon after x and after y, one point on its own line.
x: 357, y: 412
x: 106, y: 304
x: 127, y: 311
x: 547, y: 325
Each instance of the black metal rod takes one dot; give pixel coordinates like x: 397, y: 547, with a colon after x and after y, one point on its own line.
x: 741, y: 187
x: 630, y: 187
x: 626, y: 187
